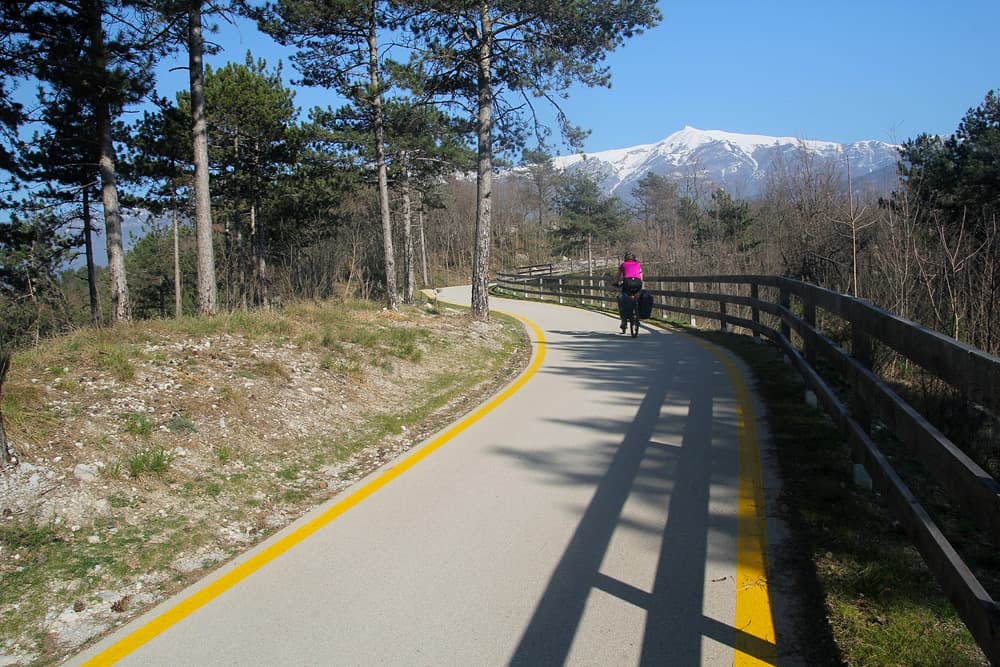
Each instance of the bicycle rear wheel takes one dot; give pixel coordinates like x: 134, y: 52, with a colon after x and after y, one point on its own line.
x: 634, y: 319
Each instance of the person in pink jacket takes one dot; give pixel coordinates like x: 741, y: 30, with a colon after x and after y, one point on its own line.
x: 630, y: 278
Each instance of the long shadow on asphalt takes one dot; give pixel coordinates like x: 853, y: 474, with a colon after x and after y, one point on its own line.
x: 660, y: 460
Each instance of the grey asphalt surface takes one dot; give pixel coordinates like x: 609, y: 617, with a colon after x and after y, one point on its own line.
x: 589, y: 519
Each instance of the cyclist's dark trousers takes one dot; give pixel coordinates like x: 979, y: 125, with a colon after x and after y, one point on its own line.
x: 629, y: 286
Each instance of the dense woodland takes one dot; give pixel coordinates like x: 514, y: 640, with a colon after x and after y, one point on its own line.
x: 434, y: 171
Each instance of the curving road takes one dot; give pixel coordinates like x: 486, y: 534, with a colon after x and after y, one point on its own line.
x: 603, y: 510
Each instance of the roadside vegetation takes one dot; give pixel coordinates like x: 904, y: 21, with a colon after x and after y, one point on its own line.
x: 874, y: 601
x: 154, y: 452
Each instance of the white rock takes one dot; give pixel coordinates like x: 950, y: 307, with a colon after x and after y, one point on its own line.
x: 86, y: 472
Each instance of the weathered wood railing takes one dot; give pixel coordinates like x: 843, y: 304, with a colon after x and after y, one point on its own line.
x: 794, y: 306
x: 533, y: 270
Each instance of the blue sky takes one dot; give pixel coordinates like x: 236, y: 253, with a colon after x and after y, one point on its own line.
x: 838, y: 71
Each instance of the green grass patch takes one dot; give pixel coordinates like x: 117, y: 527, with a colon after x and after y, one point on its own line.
x: 180, y: 424
x: 271, y: 368
x: 116, y: 359
x: 138, y: 425
x: 149, y: 460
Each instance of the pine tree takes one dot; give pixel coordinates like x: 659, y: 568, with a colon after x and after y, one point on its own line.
x: 338, y: 47
x: 161, y: 150
x: 250, y: 115
x: 105, y: 59
x: 586, y: 216
x: 495, y: 57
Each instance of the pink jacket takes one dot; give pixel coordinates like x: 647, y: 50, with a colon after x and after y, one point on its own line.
x: 631, y: 269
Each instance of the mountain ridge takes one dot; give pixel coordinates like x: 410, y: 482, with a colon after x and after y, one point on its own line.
x: 738, y: 163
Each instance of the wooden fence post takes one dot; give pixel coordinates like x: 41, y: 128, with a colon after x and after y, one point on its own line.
x: 785, y: 300
x: 722, y: 315
x: 861, y: 350
x: 809, y: 315
x: 691, y: 302
x: 755, y: 312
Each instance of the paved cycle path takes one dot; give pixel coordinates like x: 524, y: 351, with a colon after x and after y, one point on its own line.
x: 592, y: 514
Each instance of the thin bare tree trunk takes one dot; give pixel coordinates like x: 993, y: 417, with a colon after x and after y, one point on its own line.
x: 260, y: 263
x: 178, y: 300
x: 207, y: 296
x: 5, y: 456
x: 408, y: 270
x: 88, y: 244
x: 423, y: 242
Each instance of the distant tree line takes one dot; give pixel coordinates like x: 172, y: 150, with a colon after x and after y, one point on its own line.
x: 423, y: 176
x: 247, y: 205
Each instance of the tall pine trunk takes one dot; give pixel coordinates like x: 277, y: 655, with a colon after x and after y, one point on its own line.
x: 392, y: 294
x: 106, y: 168
x: 484, y: 175
x: 207, y: 297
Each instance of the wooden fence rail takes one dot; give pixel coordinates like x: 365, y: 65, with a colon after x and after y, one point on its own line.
x: 819, y: 317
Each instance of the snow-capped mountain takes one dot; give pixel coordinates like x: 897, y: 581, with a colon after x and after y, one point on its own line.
x: 740, y: 163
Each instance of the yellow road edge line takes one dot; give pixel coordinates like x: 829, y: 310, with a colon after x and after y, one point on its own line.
x: 203, y: 596
x: 755, y: 637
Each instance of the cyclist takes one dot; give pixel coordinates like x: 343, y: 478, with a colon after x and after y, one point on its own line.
x: 630, y: 280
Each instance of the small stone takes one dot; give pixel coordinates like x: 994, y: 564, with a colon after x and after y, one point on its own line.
x: 86, y: 472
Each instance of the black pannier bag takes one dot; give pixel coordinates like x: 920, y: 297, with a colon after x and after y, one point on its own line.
x: 645, y: 305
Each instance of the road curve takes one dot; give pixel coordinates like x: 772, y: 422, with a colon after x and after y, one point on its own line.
x: 604, y: 510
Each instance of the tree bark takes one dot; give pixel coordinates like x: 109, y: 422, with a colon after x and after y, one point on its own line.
x: 106, y: 169
x: 484, y: 168
x: 392, y: 295
x: 207, y: 296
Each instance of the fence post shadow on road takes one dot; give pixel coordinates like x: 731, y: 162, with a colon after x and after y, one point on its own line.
x: 676, y: 473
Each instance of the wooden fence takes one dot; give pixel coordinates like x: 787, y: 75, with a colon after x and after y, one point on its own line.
x: 774, y: 308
